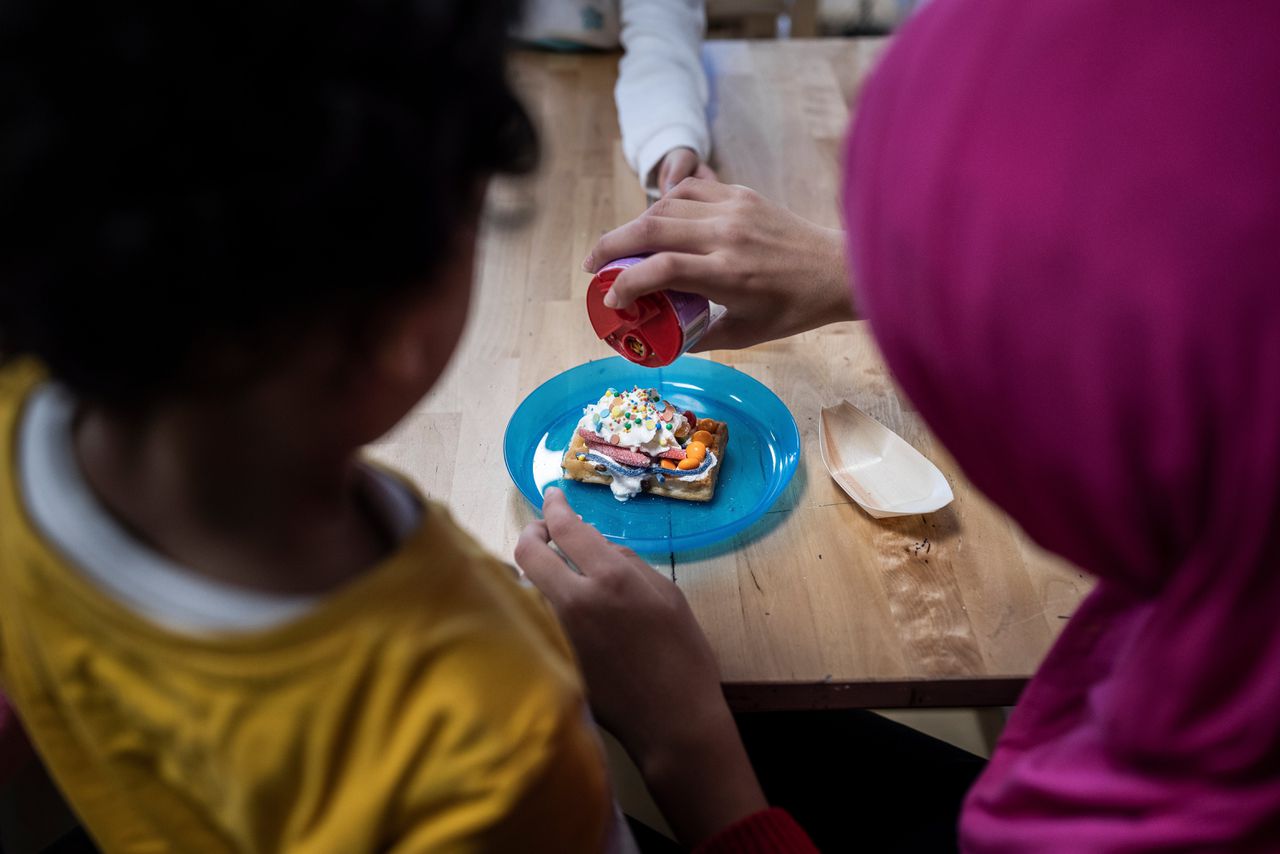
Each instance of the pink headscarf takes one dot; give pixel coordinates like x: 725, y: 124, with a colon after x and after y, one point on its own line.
x: 1065, y: 229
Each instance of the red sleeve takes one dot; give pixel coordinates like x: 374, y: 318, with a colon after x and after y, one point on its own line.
x: 771, y: 831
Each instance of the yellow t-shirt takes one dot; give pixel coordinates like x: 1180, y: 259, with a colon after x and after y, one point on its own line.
x: 430, y: 705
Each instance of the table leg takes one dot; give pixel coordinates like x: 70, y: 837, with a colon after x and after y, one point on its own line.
x: 804, y: 18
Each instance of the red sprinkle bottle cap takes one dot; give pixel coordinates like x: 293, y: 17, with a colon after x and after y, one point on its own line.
x: 651, y: 332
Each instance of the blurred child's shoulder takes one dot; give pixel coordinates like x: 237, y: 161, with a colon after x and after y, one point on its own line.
x: 469, y: 642
x: 18, y: 377
x: 455, y: 593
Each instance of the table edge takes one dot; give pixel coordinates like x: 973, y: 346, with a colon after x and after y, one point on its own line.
x: 914, y: 693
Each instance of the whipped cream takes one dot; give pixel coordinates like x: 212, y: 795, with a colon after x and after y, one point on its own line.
x: 638, y: 420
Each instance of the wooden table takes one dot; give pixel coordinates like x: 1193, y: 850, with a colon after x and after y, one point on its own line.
x: 819, y: 605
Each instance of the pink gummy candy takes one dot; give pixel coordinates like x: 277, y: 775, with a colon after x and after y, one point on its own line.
x: 622, y: 455
x: 597, y: 443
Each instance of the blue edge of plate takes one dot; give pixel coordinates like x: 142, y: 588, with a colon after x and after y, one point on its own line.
x: 763, y: 451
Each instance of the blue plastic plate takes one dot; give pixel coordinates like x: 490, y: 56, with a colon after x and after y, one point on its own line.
x: 763, y: 451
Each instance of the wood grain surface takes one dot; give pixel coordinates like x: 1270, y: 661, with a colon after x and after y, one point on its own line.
x: 818, y: 605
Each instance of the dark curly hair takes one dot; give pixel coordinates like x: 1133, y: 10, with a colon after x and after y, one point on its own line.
x: 178, y: 176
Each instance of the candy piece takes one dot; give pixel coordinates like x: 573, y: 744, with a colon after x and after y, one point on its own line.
x: 622, y: 455
x: 668, y: 464
x: 707, y: 424
x: 616, y: 412
x: 673, y: 454
x: 595, y: 443
x: 687, y: 464
x: 701, y: 436
x: 696, y: 451
x: 614, y: 440
x: 689, y: 416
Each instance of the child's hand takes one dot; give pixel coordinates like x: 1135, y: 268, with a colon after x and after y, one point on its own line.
x: 639, y: 644
x: 776, y: 273
x: 681, y: 163
x: 651, y: 675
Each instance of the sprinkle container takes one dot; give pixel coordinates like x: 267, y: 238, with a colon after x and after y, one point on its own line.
x: 657, y: 329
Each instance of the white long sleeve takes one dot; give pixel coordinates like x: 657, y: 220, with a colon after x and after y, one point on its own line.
x: 662, y: 87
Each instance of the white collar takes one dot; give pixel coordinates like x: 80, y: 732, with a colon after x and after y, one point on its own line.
x: 64, y: 509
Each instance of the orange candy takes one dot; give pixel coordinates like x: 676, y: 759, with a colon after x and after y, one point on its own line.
x: 688, y: 463
x: 706, y: 424
x: 695, y: 451
x: 668, y: 464
x: 702, y: 436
